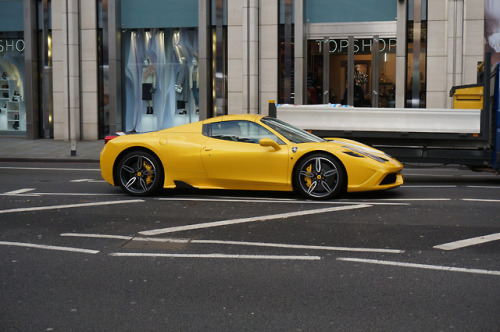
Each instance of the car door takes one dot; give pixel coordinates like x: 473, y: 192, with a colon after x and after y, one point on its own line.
x: 234, y: 159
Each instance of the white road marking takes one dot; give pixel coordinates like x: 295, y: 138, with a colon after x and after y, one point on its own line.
x: 425, y: 186
x: 238, y: 243
x: 448, y: 175
x: 64, y: 194
x: 420, y: 266
x: 269, y: 200
x: 251, y: 219
x: 19, y: 191
x: 417, y: 199
x: 57, y: 207
x: 468, y: 242
x: 481, y: 200
x: 51, y: 169
x: 484, y: 187
x: 87, y: 180
x: 128, y: 238
x: 299, y: 246
x: 99, y: 236
x: 40, y: 246
x: 212, y: 256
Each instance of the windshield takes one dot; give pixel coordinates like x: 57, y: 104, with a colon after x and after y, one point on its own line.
x: 291, y: 133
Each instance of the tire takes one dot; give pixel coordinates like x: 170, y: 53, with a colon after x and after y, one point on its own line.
x: 139, y: 173
x: 319, y: 176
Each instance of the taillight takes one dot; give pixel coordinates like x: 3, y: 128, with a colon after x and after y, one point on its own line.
x: 109, y: 138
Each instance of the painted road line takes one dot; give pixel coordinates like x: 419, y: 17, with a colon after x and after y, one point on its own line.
x: 98, y: 236
x: 88, y: 181
x: 416, y: 199
x: 468, y: 242
x: 270, y: 200
x: 430, y: 187
x: 212, y: 256
x: 251, y: 219
x: 420, y: 266
x: 71, y: 194
x: 238, y: 243
x: 68, y: 206
x: 19, y: 191
x: 481, y: 200
x: 299, y: 246
x: 128, y: 238
x: 484, y: 187
x: 51, y: 169
x: 40, y: 246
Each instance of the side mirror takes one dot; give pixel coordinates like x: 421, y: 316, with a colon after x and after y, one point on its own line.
x: 269, y: 142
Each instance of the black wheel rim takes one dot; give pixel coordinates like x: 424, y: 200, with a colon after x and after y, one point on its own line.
x: 138, y: 174
x: 318, y: 177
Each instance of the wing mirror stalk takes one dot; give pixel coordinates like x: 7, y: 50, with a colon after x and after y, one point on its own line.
x: 269, y: 142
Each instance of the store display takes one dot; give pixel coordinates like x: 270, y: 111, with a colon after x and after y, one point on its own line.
x: 12, y: 112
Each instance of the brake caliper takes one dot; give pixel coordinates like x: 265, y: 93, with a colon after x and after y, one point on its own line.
x: 148, y: 168
x: 307, y: 178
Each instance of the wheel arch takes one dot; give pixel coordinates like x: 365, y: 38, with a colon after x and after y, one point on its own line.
x: 305, y: 155
x: 131, y: 149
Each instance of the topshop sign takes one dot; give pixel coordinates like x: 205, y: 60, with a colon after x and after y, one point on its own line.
x: 12, y: 45
x: 365, y: 45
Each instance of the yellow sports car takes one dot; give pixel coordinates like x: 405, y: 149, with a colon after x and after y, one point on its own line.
x: 246, y: 152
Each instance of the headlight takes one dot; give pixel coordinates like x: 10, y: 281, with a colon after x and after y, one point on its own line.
x: 362, y: 153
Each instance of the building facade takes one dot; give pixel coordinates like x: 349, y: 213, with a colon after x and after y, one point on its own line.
x: 78, y: 70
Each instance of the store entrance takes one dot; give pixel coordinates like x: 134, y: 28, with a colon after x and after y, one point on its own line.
x: 360, y: 72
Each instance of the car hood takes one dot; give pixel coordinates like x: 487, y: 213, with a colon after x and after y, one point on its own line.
x: 350, y: 144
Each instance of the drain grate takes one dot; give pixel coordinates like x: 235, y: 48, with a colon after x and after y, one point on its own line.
x: 154, y: 243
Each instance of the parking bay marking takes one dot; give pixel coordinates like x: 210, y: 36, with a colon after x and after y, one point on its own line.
x: 251, y: 219
x: 67, y: 206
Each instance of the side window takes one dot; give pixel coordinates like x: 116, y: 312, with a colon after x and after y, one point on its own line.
x: 241, y: 131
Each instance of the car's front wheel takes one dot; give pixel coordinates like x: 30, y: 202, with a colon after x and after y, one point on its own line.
x: 139, y: 173
x: 319, y: 176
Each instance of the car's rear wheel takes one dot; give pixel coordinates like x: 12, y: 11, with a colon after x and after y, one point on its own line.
x: 319, y: 176
x: 139, y: 173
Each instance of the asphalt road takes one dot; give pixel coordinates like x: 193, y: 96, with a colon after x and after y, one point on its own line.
x: 77, y: 255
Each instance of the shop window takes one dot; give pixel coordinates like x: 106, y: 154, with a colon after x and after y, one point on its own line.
x: 328, y: 83
x: 12, y: 103
x: 416, y: 35
x: 315, y: 72
x: 161, y: 78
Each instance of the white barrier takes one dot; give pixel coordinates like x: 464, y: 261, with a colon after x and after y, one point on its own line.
x: 418, y: 120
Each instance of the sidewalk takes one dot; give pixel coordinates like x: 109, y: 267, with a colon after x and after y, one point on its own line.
x: 48, y: 149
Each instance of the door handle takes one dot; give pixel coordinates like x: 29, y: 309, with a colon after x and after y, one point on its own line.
x: 206, y: 148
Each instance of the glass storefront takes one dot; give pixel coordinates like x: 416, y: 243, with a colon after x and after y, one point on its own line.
x: 12, y: 74
x: 160, y: 85
x: 334, y: 74
x: 161, y: 78
x: 357, y: 70
x: 416, y: 34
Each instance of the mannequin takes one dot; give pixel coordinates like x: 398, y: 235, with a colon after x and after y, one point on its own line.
x: 148, y: 84
x: 193, y: 81
x: 182, y: 78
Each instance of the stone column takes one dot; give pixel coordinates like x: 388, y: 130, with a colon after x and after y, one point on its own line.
x: 268, y: 64
x: 89, y: 63
x: 66, y: 69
